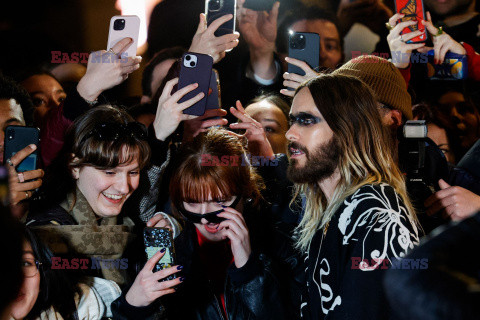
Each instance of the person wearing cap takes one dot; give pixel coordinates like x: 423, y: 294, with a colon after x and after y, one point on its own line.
x: 387, y: 83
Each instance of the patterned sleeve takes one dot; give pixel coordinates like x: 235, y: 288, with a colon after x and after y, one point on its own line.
x: 376, y: 231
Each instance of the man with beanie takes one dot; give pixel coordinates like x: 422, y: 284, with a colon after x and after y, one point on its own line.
x: 387, y: 83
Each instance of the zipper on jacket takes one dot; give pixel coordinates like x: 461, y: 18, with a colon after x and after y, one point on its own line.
x: 217, y: 303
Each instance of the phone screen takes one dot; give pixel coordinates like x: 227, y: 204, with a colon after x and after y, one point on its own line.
x: 29, y: 163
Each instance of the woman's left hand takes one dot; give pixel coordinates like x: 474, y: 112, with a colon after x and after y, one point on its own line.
x: 235, y: 229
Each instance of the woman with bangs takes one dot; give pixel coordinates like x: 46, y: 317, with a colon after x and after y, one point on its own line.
x: 222, y: 245
x: 222, y: 252
x: 95, y: 173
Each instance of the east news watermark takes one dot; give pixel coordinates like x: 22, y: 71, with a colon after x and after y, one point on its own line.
x: 82, y: 57
x: 89, y: 263
x: 404, y: 264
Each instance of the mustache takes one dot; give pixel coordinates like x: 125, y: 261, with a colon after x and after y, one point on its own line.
x: 296, y: 145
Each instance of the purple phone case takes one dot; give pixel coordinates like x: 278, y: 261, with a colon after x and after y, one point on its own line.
x: 200, y: 73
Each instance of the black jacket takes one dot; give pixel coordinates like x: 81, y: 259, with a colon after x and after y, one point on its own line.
x: 253, y: 291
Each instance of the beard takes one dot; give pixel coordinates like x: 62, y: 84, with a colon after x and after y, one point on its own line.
x: 319, y: 165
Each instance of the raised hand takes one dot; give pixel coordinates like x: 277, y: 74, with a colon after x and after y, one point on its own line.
x: 400, y: 50
x: 204, y: 41
x: 106, y: 69
x: 170, y: 112
x: 442, y: 43
x: 146, y: 288
x: 294, y: 80
x: 191, y: 128
x: 21, y: 188
x: 258, y: 143
x: 258, y: 28
x: 235, y: 229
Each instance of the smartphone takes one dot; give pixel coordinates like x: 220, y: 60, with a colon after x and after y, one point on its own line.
x: 413, y: 10
x: 123, y: 27
x: 215, y: 9
x: 259, y: 5
x: 195, y: 68
x: 213, y: 99
x: 17, y: 138
x: 156, y: 239
x: 304, y: 46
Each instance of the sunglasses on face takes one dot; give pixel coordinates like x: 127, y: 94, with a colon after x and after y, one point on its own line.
x: 112, y: 131
x: 209, y: 216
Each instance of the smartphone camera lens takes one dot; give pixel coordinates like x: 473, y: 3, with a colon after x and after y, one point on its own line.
x: 297, y: 41
x: 119, y: 24
x: 190, y: 61
x: 214, y: 5
x: 11, y: 134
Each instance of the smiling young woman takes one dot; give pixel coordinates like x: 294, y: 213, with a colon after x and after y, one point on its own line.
x: 96, y: 172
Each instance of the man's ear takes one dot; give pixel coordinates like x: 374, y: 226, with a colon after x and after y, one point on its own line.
x: 394, y: 118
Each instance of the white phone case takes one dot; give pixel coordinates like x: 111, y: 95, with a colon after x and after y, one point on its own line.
x: 131, y: 29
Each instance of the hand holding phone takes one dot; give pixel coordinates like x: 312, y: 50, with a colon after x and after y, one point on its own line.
x: 122, y: 27
x: 413, y: 10
x: 22, y: 185
x: 146, y: 287
x: 195, y: 68
x: 170, y: 111
x: 160, y: 239
x: 215, y: 9
x: 204, y: 41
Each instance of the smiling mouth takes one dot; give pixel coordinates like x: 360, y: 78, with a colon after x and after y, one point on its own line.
x: 113, y: 197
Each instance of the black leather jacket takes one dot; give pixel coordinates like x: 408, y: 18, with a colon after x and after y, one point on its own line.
x: 253, y: 291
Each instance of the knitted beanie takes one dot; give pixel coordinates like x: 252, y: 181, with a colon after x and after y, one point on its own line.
x: 383, y: 78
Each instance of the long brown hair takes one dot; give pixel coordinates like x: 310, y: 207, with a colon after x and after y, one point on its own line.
x: 195, y: 180
x: 349, y: 107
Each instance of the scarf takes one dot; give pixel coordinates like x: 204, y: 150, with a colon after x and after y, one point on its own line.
x: 105, y: 241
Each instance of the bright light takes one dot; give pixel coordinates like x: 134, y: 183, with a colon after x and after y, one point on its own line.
x: 142, y: 9
x: 290, y: 32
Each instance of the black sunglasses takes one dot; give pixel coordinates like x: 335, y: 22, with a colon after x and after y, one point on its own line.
x: 112, y: 131
x: 209, y: 216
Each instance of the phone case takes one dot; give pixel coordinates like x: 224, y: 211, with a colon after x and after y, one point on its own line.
x: 131, y: 29
x: 413, y: 10
x: 215, y: 9
x: 213, y: 99
x: 156, y: 239
x: 17, y: 138
x: 307, y: 50
x: 195, y: 68
x: 259, y: 5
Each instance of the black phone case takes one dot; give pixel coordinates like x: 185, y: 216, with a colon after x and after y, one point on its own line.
x: 155, y: 239
x: 259, y: 5
x: 225, y: 7
x: 17, y: 138
x: 310, y: 54
x: 200, y: 74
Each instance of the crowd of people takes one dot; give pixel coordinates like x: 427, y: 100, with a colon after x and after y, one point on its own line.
x: 303, y: 196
